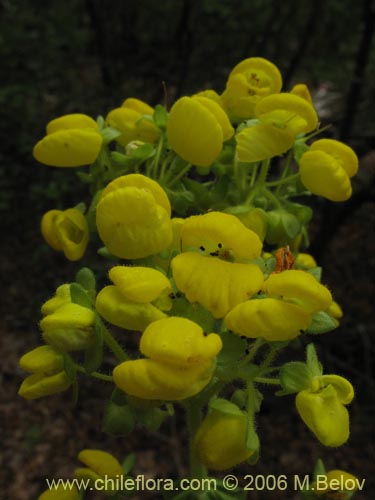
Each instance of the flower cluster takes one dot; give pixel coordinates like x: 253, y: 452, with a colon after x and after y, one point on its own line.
x: 195, y: 208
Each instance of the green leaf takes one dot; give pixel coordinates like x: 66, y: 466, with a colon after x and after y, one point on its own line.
x: 313, y: 362
x: 86, y: 278
x: 316, y: 272
x: 160, y: 117
x: 322, y: 322
x: 80, y: 296
x: 225, y: 406
x: 128, y: 463
x: 234, y: 348
x: 109, y: 134
x: 121, y: 159
x: 143, y: 152
x: 294, y: 377
x: 100, y: 122
x: 319, y: 468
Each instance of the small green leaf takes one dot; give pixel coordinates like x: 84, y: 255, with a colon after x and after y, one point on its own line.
x: 225, y: 406
x: 160, y: 117
x: 109, y: 134
x: 316, y: 272
x: 322, y: 322
x: 294, y: 377
x: 86, y: 278
x: 313, y: 363
x: 128, y: 463
x: 143, y: 152
x: 80, y: 296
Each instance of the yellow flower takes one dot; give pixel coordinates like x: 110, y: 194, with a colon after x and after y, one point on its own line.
x: 335, y: 482
x: 220, y: 440
x: 180, y: 363
x: 210, y: 94
x: 302, y: 90
x: 133, y: 217
x: 62, y: 296
x: 71, y: 141
x: 282, y: 117
x: 268, y: 318
x: 197, y: 127
x: 327, y: 167
x: 254, y: 219
x: 214, y: 283
x: 298, y: 287
x: 48, y: 376
x: 60, y: 492
x: 249, y: 81
x: 43, y: 359
x: 220, y: 234
x: 136, y: 299
x: 323, y: 410
x: 99, y: 465
x: 305, y: 261
x: 66, y: 231
x: 133, y: 120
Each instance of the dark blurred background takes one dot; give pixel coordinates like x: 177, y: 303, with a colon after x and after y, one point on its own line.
x: 88, y: 56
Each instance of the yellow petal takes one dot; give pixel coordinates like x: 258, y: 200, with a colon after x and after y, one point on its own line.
x: 132, y: 125
x: 149, y: 379
x: 299, y: 287
x: 43, y: 359
x: 288, y: 111
x: 69, y: 148
x: 60, y: 492
x: 262, y: 141
x: 305, y: 261
x: 137, y: 105
x: 344, y: 389
x: 194, y: 132
x: 68, y: 316
x: 101, y: 462
x: 335, y: 310
x: 323, y: 175
x: 61, y: 297
x: 179, y: 341
x: 302, y: 90
x: 271, y: 319
x: 342, y: 153
x: 139, y: 284
x: 219, y: 114
x: 111, y: 305
x: 217, y: 285
x: 218, y: 233
x: 74, y: 120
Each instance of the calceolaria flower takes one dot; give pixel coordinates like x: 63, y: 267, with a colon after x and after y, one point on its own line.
x: 66, y: 231
x: 220, y: 442
x: 48, y: 377
x: 327, y: 167
x: 99, y: 465
x: 322, y: 408
x: 197, y: 127
x: 71, y: 141
x: 137, y: 298
x: 133, y: 217
x: 134, y: 120
x: 281, y: 117
x: 335, y: 484
x: 60, y: 492
x: 179, y: 364
x: 248, y: 82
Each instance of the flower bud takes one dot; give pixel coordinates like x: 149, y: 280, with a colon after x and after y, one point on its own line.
x: 100, y: 465
x: 39, y: 385
x: 43, y: 359
x: 220, y: 442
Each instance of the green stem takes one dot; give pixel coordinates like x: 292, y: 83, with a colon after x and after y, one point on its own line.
x: 265, y: 380
x: 283, y: 180
x: 272, y: 198
x: 100, y: 376
x: 156, y: 158
x: 194, y: 416
x: 179, y: 175
x: 253, y: 351
x: 113, y: 345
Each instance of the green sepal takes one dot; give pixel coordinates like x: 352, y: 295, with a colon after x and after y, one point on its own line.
x: 128, y: 463
x: 100, y: 122
x: 254, y: 458
x: 316, y: 272
x: 81, y: 207
x: 91, y: 214
x: 151, y: 418
x: 252, y: 438
x: 160, y: 117
x: 322, y: 322
x: 270, y: 265
x: 181, y: 201
x: 118, y: 420
x: 319, y: 469
x: 313, y: 363
x: 86, y: 278
x: 104, y: 252
x: 302, y: 212
x: 143, y: 152
x: 282, y: 227
x: 94, y: 354
x: 299, y: 149
x: 239, y: 398
x: 224, y: 406
x: 109, y: 134
x: 70, y: 367
x: 121, y: 159
x: 80, y: 296
x: 294, y: 377
x: 84, y: 177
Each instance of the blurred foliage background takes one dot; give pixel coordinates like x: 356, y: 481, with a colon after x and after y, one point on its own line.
x: 89, y: 55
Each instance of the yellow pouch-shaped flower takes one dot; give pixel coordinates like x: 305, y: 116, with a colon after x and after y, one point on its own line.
x: 305, y: 261
x: 62, y: 296
x: 217, y: 285
x: 299, y: 287
x: 133, y: 217
x: 332, y: 483
x: 43, y: 359
x: 262, y: 141
x: 149, y: 379
x: 101, y: 462
x: 39, y: 385
x: 179, y: 341
x: 74, y: 120
x: 249, y: 81
x: 326, y: 169
x: 66, y: 231
x: 69, y: 339
x: 132, y: 124
x: 120, y: 312
x: 220, y: 234
x: 325, y: 415
x: 140, y: 284
x: 220, y: 442
x: 137, y: 105
x: 302, y: 90
x: 69, y: 147
x: 60, y: 492
x: 335, y: 310
x: 196, y: 129
x: 68, y: 316
x: 271, y: 319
